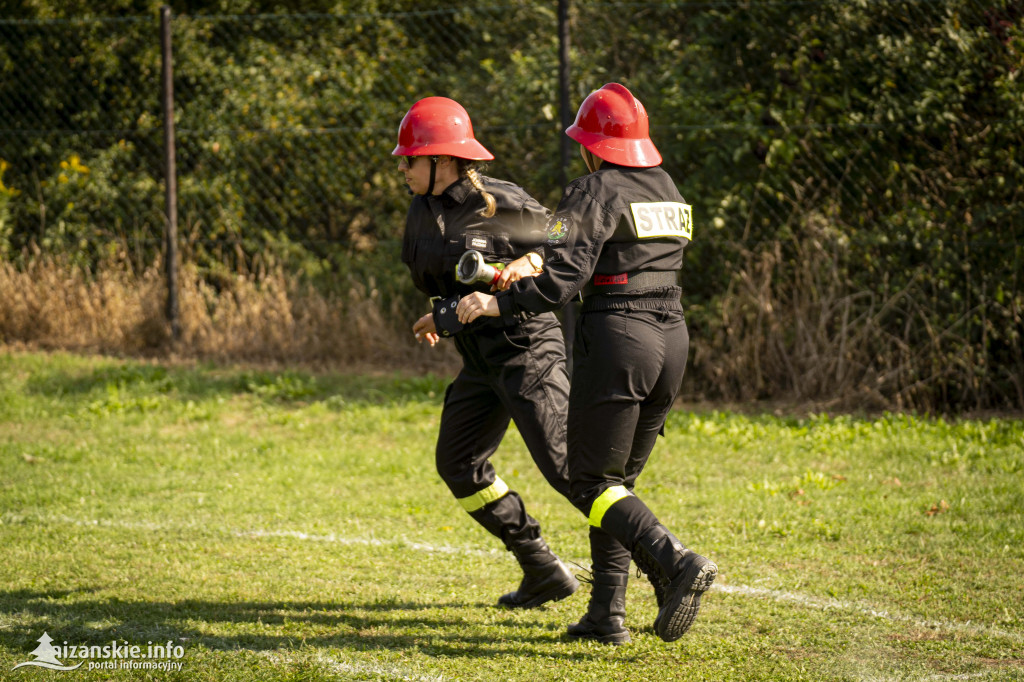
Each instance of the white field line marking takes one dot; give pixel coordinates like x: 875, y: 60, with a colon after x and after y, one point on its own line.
x: 331, y: 537
x: 298, y: 535
x: 743, y: 590
x: 384, y: 670
x: 825, y: 604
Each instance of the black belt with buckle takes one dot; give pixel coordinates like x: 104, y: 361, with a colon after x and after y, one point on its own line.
x: 629, y: 281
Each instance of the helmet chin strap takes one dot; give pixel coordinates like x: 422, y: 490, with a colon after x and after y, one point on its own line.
x: 433, y: 175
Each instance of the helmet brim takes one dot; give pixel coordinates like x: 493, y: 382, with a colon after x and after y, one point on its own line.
x: 467, y: 149
x: 634, y: 153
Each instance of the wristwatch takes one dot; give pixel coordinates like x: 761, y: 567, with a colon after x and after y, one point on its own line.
x: 536, y: 261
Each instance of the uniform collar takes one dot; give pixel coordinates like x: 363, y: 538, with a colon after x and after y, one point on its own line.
x: 614, y: 166
x: 458, y: 190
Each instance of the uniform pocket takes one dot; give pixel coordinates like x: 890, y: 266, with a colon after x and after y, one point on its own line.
x: 493, y: 246
x: 580, y: 336
x: 516, y: 337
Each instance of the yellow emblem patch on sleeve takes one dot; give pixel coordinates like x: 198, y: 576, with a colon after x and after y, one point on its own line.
x: 558, y: 228
x: 662, y: 219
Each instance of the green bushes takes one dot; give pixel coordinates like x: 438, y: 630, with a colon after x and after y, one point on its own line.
x: 854, y: 167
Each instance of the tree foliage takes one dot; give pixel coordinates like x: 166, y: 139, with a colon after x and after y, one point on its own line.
x: 854, y: 166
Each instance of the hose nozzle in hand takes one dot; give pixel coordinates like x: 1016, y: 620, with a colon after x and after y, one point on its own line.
x: 472, y: 269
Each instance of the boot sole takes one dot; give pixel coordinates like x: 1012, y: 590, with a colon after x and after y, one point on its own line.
x: 615, y: 638
x: 557, y: 593
x: 683, y: 603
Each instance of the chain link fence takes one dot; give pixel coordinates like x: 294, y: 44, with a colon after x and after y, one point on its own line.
x: 865, y: 154
x: 285, y: 123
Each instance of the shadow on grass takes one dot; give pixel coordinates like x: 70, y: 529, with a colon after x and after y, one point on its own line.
x: 353, y: 626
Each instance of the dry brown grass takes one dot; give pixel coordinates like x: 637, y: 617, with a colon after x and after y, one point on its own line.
x: 793, y: 326
x: 51, y: 304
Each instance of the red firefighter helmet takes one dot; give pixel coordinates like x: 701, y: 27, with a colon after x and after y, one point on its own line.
x: 437, y: 126
x: 612, y: 124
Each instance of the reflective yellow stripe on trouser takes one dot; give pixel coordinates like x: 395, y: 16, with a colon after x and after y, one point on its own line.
x: 478, y: 500
x: 604, y: 502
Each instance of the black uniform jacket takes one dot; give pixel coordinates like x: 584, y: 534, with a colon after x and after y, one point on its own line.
x: 609, y: 223
x: 440, y: 229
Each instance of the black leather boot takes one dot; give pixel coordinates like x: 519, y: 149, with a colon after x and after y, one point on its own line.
x: 606, y: 612
x: 681, y: 575
x: 545, y: 577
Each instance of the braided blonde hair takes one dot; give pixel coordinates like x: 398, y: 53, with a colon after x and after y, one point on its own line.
x: 469, y: 169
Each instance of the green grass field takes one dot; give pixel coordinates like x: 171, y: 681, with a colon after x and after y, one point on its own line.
x: 282, y: 525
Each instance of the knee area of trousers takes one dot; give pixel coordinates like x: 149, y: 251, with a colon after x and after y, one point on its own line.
x: 452, y: 473
x: 583, y: 495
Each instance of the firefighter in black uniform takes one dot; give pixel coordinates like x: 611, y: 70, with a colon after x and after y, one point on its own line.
x: 512, y: 368
x: 617, y: 237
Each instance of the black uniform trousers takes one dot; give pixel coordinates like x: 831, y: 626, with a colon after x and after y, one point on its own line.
x: 628, y: 362
x: 509, y: 373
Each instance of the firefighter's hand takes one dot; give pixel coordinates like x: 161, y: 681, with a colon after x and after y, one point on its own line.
x: 425, y: 329
x: 513, y: 272
x: 475, y: 305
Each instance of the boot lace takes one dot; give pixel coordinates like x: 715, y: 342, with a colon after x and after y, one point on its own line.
x: 586, y: 577
x: 654, y: 575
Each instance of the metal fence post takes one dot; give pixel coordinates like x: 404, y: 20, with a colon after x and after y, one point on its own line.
x: 569, y: 311
x: 563, y: 87
x: 170, y: 174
